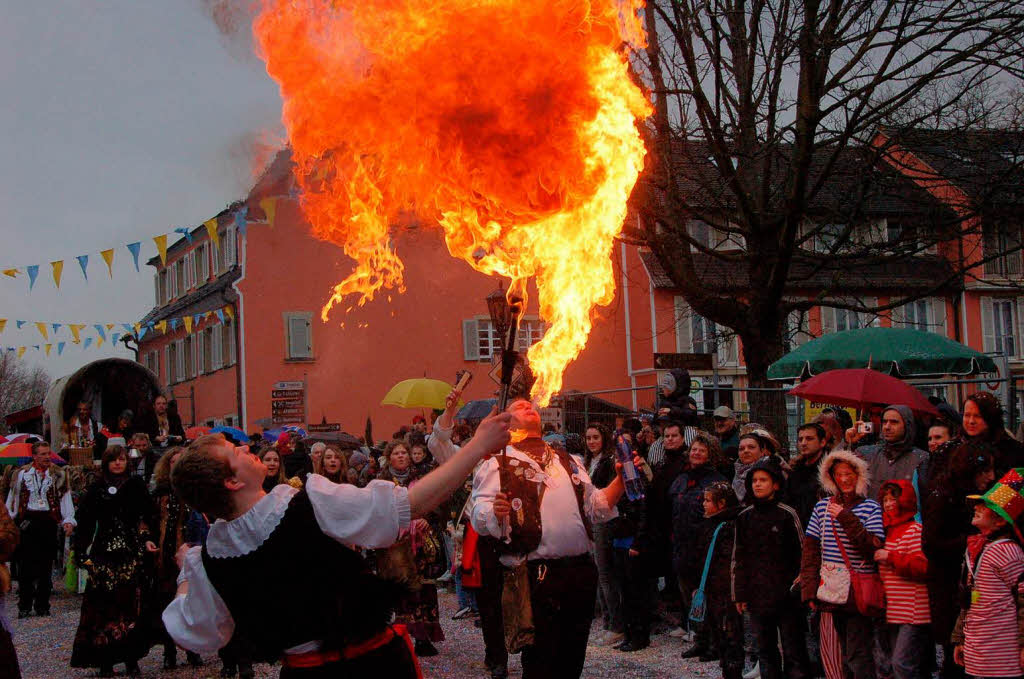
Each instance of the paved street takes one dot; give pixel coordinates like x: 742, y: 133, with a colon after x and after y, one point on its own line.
x: 44, y: 648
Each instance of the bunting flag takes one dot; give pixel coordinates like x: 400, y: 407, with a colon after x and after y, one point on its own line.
x: 188, y: 324
x: 134, y: 249
x: 33, y: 271
x: 187, y: 233
x: 13, y: 273
x: 161, y: 247
x: 83, y: 261
x: 173, y: 323
x: 220, y: 315
x: 269, y: 206
x: 48, y: 347
x: 113, y: 338
x: 21, y: 351
x: 75, y: 329
x: 128, y: 328
x: 3, y: 324
x: 60, y: 347
x: 108, y: 257
x: 99, y: 342
x: 242, y: 220
x: 211, y: 230
x: 140, y: 332
x: 88, y: 341
x: 99, y: 331
x: 20, y: 324
x: 56, y: 327
x: 197, y: 319
x: 230, y: 312
x: 110, y: 326
x: 58, y: 271
x: 42, y: 330
x: 162, y: 327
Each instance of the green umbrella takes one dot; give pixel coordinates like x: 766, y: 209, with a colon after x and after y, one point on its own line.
x: 902, y: 352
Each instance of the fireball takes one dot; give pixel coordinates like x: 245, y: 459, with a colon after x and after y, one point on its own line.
x: 511, y: 125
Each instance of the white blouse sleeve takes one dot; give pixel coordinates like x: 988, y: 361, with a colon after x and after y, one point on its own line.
x: 198, y: 620
x: 485, y: 486
x: 594, y: 503
x: 370, y: 517
x: 67, y: 509
x: 12, y: 496
x: 440, y: 444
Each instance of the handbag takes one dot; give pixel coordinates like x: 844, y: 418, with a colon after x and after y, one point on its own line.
x: 516, y: 609
x: 698, y: 609
x: 833, y: 582
x: 868, y: 591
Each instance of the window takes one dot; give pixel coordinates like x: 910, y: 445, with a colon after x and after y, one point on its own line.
x: 189, y: 358
x: 212, y: 354
x: 181, y: 278
x: 696, y: 334
x: 152, y: 362
x: 1002, y: 241
x: 797, y: 329
x: 202, y: 264
x: 916, y: 315
x: 298, y: 331
x: 713, y: 237
x: 838, y: 320
x: 1002, y: 320
x: 227, y: 330
x: 201, y: 363
x: 480, y: 341
x: 702, y: 334
x: 227, y: 254
x: 163, y: 291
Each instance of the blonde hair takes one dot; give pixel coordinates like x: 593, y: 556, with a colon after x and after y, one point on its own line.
x: 280, y: 478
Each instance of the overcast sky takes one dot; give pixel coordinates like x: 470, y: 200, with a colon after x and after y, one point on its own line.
x: 120, y: 120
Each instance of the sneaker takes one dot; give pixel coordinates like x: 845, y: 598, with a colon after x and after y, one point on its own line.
x: 463, y: 612
x: 447, y: 577
x: 612, y: 638
x: 754, y: 672
x: 678, y: 633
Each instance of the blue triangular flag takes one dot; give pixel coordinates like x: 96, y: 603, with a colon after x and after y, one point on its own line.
x: 187, y: 233
x: 134, y: 249
x: 242, y: 219
x: 33, y: 271
x: 128, y: 328
x: 83, y: 261
x: 56, y: 327
x: 60, y: 348
x: 114, y: 337
x: 197, y: 319
x: 100, y: 331
x: 142, y: 331
x: 173, y: 323
x: 36, y: 347
x: 20, y: 323
x: 220, y: 315
x: 88, y: 341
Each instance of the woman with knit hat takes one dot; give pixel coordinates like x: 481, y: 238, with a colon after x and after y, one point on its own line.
x: 844, y: 527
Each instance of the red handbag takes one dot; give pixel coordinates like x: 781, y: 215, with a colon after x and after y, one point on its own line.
x: 868, y: 591
x: 471, y: 576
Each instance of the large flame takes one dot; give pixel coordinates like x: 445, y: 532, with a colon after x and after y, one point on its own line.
x: 509, y: 123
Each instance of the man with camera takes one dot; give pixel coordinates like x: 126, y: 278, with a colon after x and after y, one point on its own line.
x: 895, y: 457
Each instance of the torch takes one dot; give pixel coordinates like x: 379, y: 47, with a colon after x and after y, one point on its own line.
x: 505, y: 315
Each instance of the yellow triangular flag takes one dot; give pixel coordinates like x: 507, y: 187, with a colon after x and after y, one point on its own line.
x: 43, y: 331
x: 99, y: 340
x: 136, y: 328
x: 75, y: 329
x: 230, y: 312
x: 208, y: 315
x: 161, y: 246
x: 21, y: 351
x: 11, y: 272
x: 108, y: 257
x: 188, y: 324
x: 3, y: 324
x: 110, y: 326
x: 48, y: 347
x: 162, y: 327
x: 211, y: 229
x: 58, y: 269
x: 269, y: 206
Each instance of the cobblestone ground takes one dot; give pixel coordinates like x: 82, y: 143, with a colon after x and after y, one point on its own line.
x: 44, y: 649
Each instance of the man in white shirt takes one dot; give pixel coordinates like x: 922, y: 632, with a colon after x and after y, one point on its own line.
x: 336, y: 626
x: 38, y: 500
x: 540, y: 503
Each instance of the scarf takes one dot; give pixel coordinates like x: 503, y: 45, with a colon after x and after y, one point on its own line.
x: 401, y: 478
x: 739, y: 481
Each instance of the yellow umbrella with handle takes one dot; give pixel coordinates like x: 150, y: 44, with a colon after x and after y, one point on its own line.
x: 421, y: 392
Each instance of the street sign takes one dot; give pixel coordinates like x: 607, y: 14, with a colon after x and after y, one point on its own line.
x: 323, y: 428
x: 288, y: 403
x: 301, y: 386
x: 683, y: 361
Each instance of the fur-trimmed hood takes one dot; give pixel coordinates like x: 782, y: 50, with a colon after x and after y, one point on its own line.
x: 858, y: 463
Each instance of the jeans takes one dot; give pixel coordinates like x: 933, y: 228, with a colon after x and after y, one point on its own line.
x: 611, y: 593
x: 908, y: 645
x: 465, y: 595
x: 787, y: 623
x: 855, y: 640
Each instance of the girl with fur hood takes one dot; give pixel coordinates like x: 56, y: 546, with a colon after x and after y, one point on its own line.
x: 847, y: 514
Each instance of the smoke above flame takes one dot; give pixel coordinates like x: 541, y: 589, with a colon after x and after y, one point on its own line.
x: 510, y: 124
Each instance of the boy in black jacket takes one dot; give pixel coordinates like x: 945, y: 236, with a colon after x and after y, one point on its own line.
x: 721, y: 619
x: 768, y: 548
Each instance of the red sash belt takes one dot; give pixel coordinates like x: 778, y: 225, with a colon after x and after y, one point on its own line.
x: 319, y: 658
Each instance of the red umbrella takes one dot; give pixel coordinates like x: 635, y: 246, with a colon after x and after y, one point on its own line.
x: 21, y: 453
x: 192, y: 433
x: 862, y: 387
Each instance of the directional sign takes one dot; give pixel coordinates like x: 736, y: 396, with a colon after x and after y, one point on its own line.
x: 288, y: 403
x: 324, y: 428
x: 683, y: 361
x: 290, y: 385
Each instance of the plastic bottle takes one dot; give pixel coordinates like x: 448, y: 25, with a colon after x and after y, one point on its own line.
x: 634, y: 486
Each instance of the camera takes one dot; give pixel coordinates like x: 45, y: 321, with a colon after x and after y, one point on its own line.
x: 865, y: 428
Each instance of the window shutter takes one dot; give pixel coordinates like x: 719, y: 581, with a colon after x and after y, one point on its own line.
x: 167, y: 363
x: 470, y: 343
x: 988, y: 330
x: 156, y: 288
x: 228, y: 330
x: 938, y: 319
x: 192, y: 354
x: 298, y: 338
x: 898, y: 316
x: 869, y: 319
x: 828, y: 320
x: 201, y: 352
x: 215, y: 350
x: 684, y: 337
x: 1020, y: 328
x: 230, y: 248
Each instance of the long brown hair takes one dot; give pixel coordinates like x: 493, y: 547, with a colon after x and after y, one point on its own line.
x: 342, y: 469
x: 162, y: 470
x: 280, y: 478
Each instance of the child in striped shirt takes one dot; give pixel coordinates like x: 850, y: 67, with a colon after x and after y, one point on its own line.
x: 903, y: 567
x: 988, y: 640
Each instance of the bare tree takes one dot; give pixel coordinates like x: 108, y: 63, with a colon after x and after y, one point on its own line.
x: 778, y: 122
x: 21, y: 385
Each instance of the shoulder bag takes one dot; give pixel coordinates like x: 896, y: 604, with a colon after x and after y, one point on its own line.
x: 699, y: 607
x: 868, y: 591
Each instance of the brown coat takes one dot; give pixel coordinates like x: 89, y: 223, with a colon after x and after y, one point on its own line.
x: 9, y: 537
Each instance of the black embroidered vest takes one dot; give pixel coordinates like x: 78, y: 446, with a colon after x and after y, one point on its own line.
x: 521, y: 484
x: 299, y: 586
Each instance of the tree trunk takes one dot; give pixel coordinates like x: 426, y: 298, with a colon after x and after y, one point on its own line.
x: 766, y: 407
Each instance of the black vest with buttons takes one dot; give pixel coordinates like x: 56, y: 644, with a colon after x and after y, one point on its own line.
x: 299, y: 586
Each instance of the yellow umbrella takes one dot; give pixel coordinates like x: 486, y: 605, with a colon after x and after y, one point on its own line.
x: 418, y: 393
